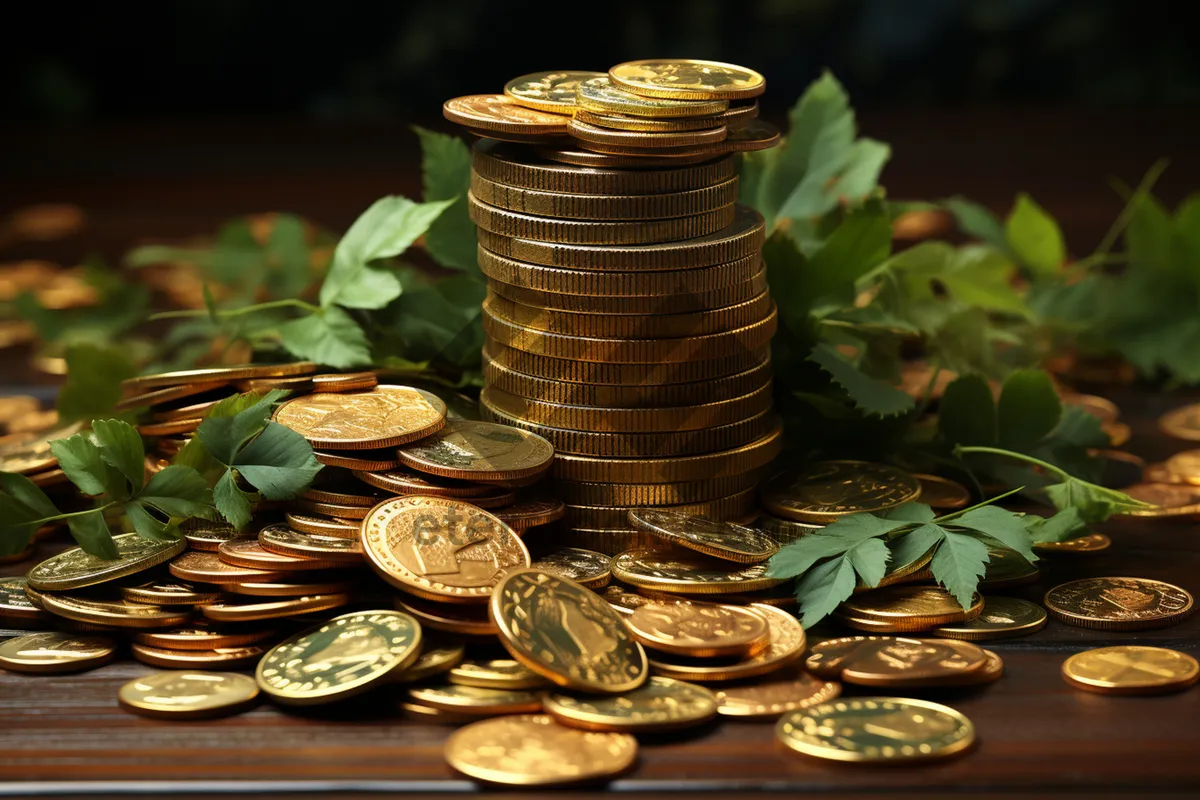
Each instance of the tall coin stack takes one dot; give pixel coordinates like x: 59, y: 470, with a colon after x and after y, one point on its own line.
x: 628, y: 319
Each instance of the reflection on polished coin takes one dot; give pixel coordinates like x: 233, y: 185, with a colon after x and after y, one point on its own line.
x: 115, y: 612
x: 1007, y: 568
x: 723, y: 540
x: 942, y: 493
x: 479, y: 451
x: 536, y: 750
x: 531, y: 512
x: 1165, y: 500
x: 566, y: 633
x: 285, y: 541
x: 341, y: 658
x: 675, y: 572
x: 217, y: 658
x: 1182, y: 423
x: 251, y: 554
x: 1118, y: 604
x: 15, y: 606
x: 385, y: 416
x: 660, y: 704
x: 189, y: 695
x: 876, y: 729
x: 496, y: 113
x: 207, y: 567
x: 403, y: 481
x: 552, y: 91
x: 773, y: 698
x: 346, y: 584
x: 904, y: 664
x: 26, y: 453
x: 369, y: 461
x: 585, y: 567
x: 202, y: 635
x: 477, y: 700
x: 827, y: 490
x: 208, y: 536
x: 1184, y: 467
x: 434, y: 660
x: 457, y: 618
x: 910, y: 607
x: 273, y: 609
x: 322, y: 526
x: 75, y: 569
x: 1131, y: 669
x: 688, y: 79
x: 700, y: 630
x: 45, y: 653
x: 166, y: 592
x: 1002, y: 618
x: 601, y: 94
x: 827, y: 658
x: 217, y: 374
x: 1092, y: 543
x: 499, y: 673
x: 624, y: 601
x: 786, y: 647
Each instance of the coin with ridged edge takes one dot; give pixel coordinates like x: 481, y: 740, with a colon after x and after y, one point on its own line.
x: 676, y: 572
x: 500, y: 114
x: 732, y: 117
x: 723, y: 540
x: 678, y: 303
x: 786, y: 647
x: 1128, y: 604
x: 202, y: 635
x: 699, y: 630
x: 16, y: 607
x: 285, y: 541
x: 207, y: 567
x: 734, y: 506
x: 763, y: 699
x: 479, y: 451
x: 654, y: 494
x: 51, y: 653
x: 917, y: 606
x: 209, y: 536
x: 405, y: 481
x: 687, y: 79
x: 476, y: 701
x: 75, y: 569
x: 377, y: 461
x: 385, y: 416
x: 322, y: 526
x: 586, y: 567
x: 115, y: 612
x: 531, y: 512
x: 610, y: 542
x: 214, y: 374
x: 754, y: 135
x: 249, y: 553
x: 567, y: 370
x: 660, y: 704
x: 552, y: 91
x: 587, y: 132
x: 603, y: 95
x: 1131, y: 670
x: 455, y: 618
x: 826, y: 490
x: 601, y: 207
x: 189, y: 695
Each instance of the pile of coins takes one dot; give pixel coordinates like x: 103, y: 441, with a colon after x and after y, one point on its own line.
x: 627, y: 319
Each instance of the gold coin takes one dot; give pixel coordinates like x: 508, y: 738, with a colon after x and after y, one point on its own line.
x: 462, y: 620
x: 338, y: 510
x: 1184, y: 467
x: 1007, y: 568
x: 215, y: 374
x: 433, y: 661
x: 622, y: 122
x: 548, y: 91
x: 15, y: 605
x: 603, y: 207
x: 1182, y: 423
x: 531, y: 512
x: 787, y: 643
x: 603, y: 95
x: 902, y: 664
x: 1092, y: 543
x: 915, y: 607
x: 700, y: 630
x: 827, y: 658
x: 202, y: 635
x: 283, y: 540
x: 942, y: 493
x: 915, y: 571
x: 660, y: 704
x: 386, y: 416
x: 29, y: 452
x: 586, y: 567
x: 440, y: 549
x: 169, y: 428
x: 47, y: 653
x: 157, y: 397
x: 826, y: 490
x: 250, y: 554
x: 687, y: 574
x: 566, y: 633
x: 340, y: 658
x: 166, y: 592
x: 435, y: 715
x: 878, y: 730
x: 688, y: 79
x: 545, y: 139
x: 193, y: 411
x: 377, y: 461
x: 15, y: 406
x: 1165, y: 500
x: 1099, y: 407
x: 723, y: 540
x: 273, y: 609
x: 479, y: 451
x: 499, y: 673
x: 403, y: 481
x: 735, y: 506
x: 360, y: 499
x: 35, y: 422
x: 1118, y: 604
x: 586, y: 132
x: 654, y: 494
x: 206, y: 535
x: 345, y: 382
x: 772, y: 698
x: 52, y: 477
x: 302, y: 384
x: 323, y: 526
x: 476, y: 700
x: 495, y: 113
x: 220, y: 657
x: 535, y: 750
x: 1002, y: 618
x: 207, y: 567
x: 189, y: 695
x: 347, y: 585
x: 623, y: 601
x: 1131, y: 669
x: 754, y: 135
x: 74, y: 569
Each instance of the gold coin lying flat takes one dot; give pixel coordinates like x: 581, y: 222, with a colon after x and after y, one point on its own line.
x: 434, y: 660
x: 74, y: 569
x: 1182, y: 423
x: 250, y: 554
x: 385, y: 416
x: 723, y: 540
x: 1184, y: 467
x: 660, y: 704
x: 688, y: 79
x: 942, y: 493
x: 876, y: 730
x: 214, y: 374
x: 602, y: 95
x: 586, y: 567
x: 566, y: 633
x: 914, y: 607
x: 597, y: 207
x: 548, y: 91
x: 700, y: 630
x: 500, y: 114
x: 322, y: 526
x: 672, y: 572
x: 440, y: 549
x: 287, y: 542
x: 1164, y: 500
x: 787, y: 643
x: 404, y: 481
x: 273, y: 609
x: 588, y: 132
x: 202, y: 635
x: 1118, y: 604
x: 1131, y: 669
x: 901, y: 663
x: 499, y: 673
x: 167, y: 592
x: 292, y: 588
x: 1006, y: 568
x: 763, y: 699
x: 1092, y: 543
x: 47, y: 653
x: 189, y: 695
x: 1002, y: 618
x: 207, y: 567
x: 15, y: 606
x: 827, y: 658
x: 208, y: 536
x: 479, y: 451
x: 537, y: 751
x: 217, y: 658
x: 343, y: 657
x: 477, y: 700
x: 827, y: 490
x: 117, y: 613
x: 754, y: 135
x: 531, y: 512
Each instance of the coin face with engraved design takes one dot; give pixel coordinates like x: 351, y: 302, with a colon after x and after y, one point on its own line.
x: 701, y: 630
x: 566, y: 633
x: 502, y: 114
x: 787, y: 643
x: 188, y: 694
x: 44, y: 653
x: 15, y: 604
x: 902, y: 663
x: 74, y: 569
x: 660, y: 704
x: 723, y: 540
x: 827, y: 490
x: 1118, y: 603
x: 1131, y: 669
x: 674, y: 572
x: 914, y: 607
x: 1002, y: 618
x: 385, y: 416
x: 688, y: 79
x: 771, y: 698
x: 548, y: 91
x: 440, y: 548
x: 343, y: 657
x: 586, y: 567
x: 480, y: 451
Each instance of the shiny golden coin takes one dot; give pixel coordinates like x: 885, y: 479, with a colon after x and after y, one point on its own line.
x: 173, y: 428
x: 535, y: 750
x: 208, y: 536
x: 15, y: 406
x: 602, y: 95
x: 827, y: 490
x: 723, y: 540
x: 548, y: 91
x: 300, y: 384
x: 29, y: 452
x: 1092, y: 543
x: 336, y: 510
x: 787, y: 643
x: 671, y: 572
x: 366, y: 461
x: 1118, y: 433
x: 343, y: 657
x: 622, y: 122
x: 1002, y: 618
x: 440, y: 549
x: 346, y: 382
x: 827, y: 658
x: 383, y: 417
x: 499, y: 673
x: 189, y: 695
x: 1099, y: 407
x: 291, y: 543
x: 207, y: 567
x: 901, y: 664
x: 700, y: 630
x: 915, y: 571
x: 250, y: 554
x: 586, y: 132
x: 496, y: 113
x: 323, y: 526
x: 1131, y: 669
x: 437, y: 716
x: 47, y: 653
x: 434, y: 660
x: 881, y: 730
x: 1007, y: 568
x: 763, y: 699
x: 1118, y: 604
x: 74, y: 569
x: 346, y: 585
x: 530, y: 513
x: 942, y: 493
x: 544, y: 139
x: 1184, y: 467
x: 16, y: 609
x: 479, y: 451
x: 169, y: 394
x: 1164, y: 500
x: 475, y: 700
x: 660, y: 704
x: 654, y: 494
x: 1182, y: 423
x: 566, y: 633
x: 202, y: 635
x: 688, y: 79
x: 215, y: 374
x: 914, y: 607
x: 754, y: 135
x: 217, y: 658
x: 602, y: 207
x: 405, y: 482
x: 273, y: 609
x: 623, y: 601
x: 586, y: 567
x: 35, y: 422
x: 463, y: 620
x: 364, y: 498
x: 192, y: 411
x: 166, y: 592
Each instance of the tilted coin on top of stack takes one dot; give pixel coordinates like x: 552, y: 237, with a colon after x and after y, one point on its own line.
x: 627, y: 319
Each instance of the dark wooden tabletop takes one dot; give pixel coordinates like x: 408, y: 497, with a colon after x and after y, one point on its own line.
x: 66, y: 736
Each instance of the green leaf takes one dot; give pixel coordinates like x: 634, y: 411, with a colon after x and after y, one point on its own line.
x: 446, y: 175
x: 1064, y: 525
x: 835, y: 538
x: 909, y: 547
x: 860, y: 176
x: 22, y: 506
x: 979, y: 276
x: 823, y: 589
x: 288, y: 257
x: 121, y: 447
x: 80, y: 458
x: 194, y: 455
x: 1000, y: 524
x: 279, y: 462
x: 859, y: 244
x: 178, y: 492
x: 231, y: 501
x: 967, y: 412
x: 92, y: 534
x: 817, y: 148
x: 977, y: 221
x: 93, y: 385
x: 232, y: 422
x: 870, y: 560
x: 329, y: 336
x: 1029, y: 409
x: 918, y: 513
x: 1149, y: 237
x: 149, y: 526
x: 1094, y: 503
x: 959, y: 562
x: 869, y: 394
x: 1035, y: 237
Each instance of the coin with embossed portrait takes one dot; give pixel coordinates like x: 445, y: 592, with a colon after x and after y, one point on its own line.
x: 786, y: 646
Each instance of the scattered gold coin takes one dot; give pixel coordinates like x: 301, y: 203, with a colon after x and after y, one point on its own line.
x: 496, y: 113
x: 908, y: 608
x: 876, y: 729
x: 723, y: 540
x: 686, y: 574
x: 1165, y: 499
x: 942, y: 493
x: 1118, y: 604
x: 272, y: 609
x: 385, y: 416
x: 74, y: 569
x: 499, y: 673
x: 786, y: 647
x: 189, y: 695
x: 764, y: 699
x: 140, y: 384
x: 827, y: 490
x: 203, y: 566
x: 479, y: 451
x: 1007, y: 568
x: 166, y: 592
x: 1131, y: 669
x: 217, y: 658
x: 602, y: 95
x: 45, y: 653
x: 548, y: 91
x: 585, y: 567
x: 901, y: 664
x: 202, y: 635
x: 476, y: 700
x: 291, y: 543
x: 700, y: 630
x: 1002, y: 618
x: 208, y: 536
x: 434, y: 660
x: 115, y: 612
x: 456, y: 618
x: 16, y: 609
x: 688, y: 79
x: 660, y: 704
x: 1092, y: 543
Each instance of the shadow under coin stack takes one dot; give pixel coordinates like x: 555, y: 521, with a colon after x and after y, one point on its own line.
x: 628, y: 319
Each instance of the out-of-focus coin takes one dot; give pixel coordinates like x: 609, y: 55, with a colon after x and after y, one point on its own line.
x: 730, y: 117
x: 343, y: 657
x: 901, y: 664
x: 786, y: 647
x: 434, y: 660
x: 217, y: 658
x: 169, y: 394
x: 189, y: 695
x: 323, y: 526
x: 660, y: 704
x: 688, y: 79
x: 1184, y: 467
x: 763, y: 699
x: 876, y: 730
x: 206, y: 567
x: 827, y: 490
x: 1092, y: 543
x: 566, y: 633
x: 476, y: 700
x: 117, y: 613
x: 552, y: 91
x: 1131, y: 669
x: 202, y: 635
x: 1101, y: 408
x: 46, y: 653
x: 215, y: 374
x: 531, y: 512
x: 1118, y: 604
x: 272, y: 609
x: 456, y: 618
x: 15, y: 406
x: 1164, y: 500
x: 29, y: 452
x: 499, y: 673
x: 283, y: 540
x: 700, y: 630
x: 385, y: 416
x: 1007, y: 568
x: 499, y: 114
x: 74, y: 569
x: 942, y: 493
x: 676, y: 572
x: 300, y: 383
x: 586, y: 567
x: 1002, y: 618
x: 166, y: 592
x: 723, y: 540
x: 602, y: 95
x: 1182, y: 423
x: 914, y: 607
x: 15, y: 606
x: 336, y: 510
x: 402, y: 481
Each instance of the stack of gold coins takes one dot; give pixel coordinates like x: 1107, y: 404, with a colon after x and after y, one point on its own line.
x: 627, y: 319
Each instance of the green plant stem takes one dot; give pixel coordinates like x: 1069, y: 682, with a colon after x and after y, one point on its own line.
x: 988, y: 502
x: 237, y: 312
x: 1147, y: 183
x: 960, y: 451
x: 70, y: 514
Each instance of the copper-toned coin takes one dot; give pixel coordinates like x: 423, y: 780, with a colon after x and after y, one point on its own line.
x: 1131, y: 669
x: 323, y: 526
x: 48, y: 653
x: 1165, y: 499
x: 1002, y: 618
x: 207, y: 567
x: 479, y: 451
x: 700, y: 630
x: 587, y: 132
x: 166, y: 592
x: 1118, y: 604
x: 603, y: 95
x: 301, y: 384
x: 763, y: 699
x: 367, y: 461
x: 901, y: 664
x: 787, y: 643
x: 910, y: 607
x: 827, y: 658
x: 723, y: 540
x: 499, y: 497
x: 585, y: 567
x: 529, y: 513
x: 1092, y: 543
x: 942, y: 493
x: 382, y: 417
x: 191, y: 411
x: 214, y: 374
x: 337, y: 510
x: 460, y: 619
x: 273, y: 609
x: 827, y: 490
x: 115, y: 613
x: 501, y: 114
x: 364, y: 499
x: 1183, y: 467
x: 202, y: 635
x: 173, y: 428
x: 406, y: 482
x: 208, y: 536
x: 284, y: 541
x: 345, y: 382
x: 249, y: 553
x: 219, y: 658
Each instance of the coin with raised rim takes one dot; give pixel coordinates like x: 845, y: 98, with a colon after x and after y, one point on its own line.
x: 497, y: 673
x: 787, y: 643
x: 603, y: 95
x: 1164, y: 500
x: 1118, y: 604
x: 942, y: 493
x: 249, y: 553
x: 288, y: 542
x: 202, y: 635
x: 500, y: 114
x: 699, y: 630
x: 827, y: 490
x: 762, y: 699
x: 115, y: 612
x: 385, y: 416
x: 479, y: 451
x: 660, y: 704
x: 74, y: 569
x: 723, y: 540
x: 917, y: 606
x: 1002, y: 618
x: 15, y: 605
x: 209, y: 536
x: 686, y: 574
x: 552, y: 91
x: 215, y: 374
x: 1081, y: 545
x: 903, y: 663
x: 827, y: 657
x: 189, y: 695
x: 531, y: 512
x: 688, y: 79
x: 456, y: 618
x: 29, y: 452
x: 403, y: 481
x: 166, y: 592
x: 585, y: 567
x: 1131, y: 669
x: 207, y: 567
x: 434, y: 660
x: 217, y: 658
x: 876, y: 730
x: 323, y: 526
x: 477, y: 700
x: 47, y: 653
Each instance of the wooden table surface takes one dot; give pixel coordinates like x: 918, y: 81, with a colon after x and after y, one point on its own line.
x: 66, y: 736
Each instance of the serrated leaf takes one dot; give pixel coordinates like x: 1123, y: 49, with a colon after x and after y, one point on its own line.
x: 93, y: 384
x: 980, y: 276
x: 279, y: 462
x: 121, y: 447
x: 915, y: 512
x: 858, y: 245
x: 149, y: 526
x: 231, y: 501
x: 1094, y: 503
x: 329, y: 336
x: 967, y: 412
x: 1000, y: 524
x: 22, y: 506
x: 178, y: 492
x: 860, y: 176
x: 869, y: 394
x: 233, y: 421
x: 909, y: 547
x: 1064, y: 525
x: 91, y: 533
x: 817, y: 148
x: 958, y: 564
x: 823, y: 589
x: 834, y: 539
x: 446, y: 175
x: 977, y: 221
x: 870, y: 560
x: 83, y: 463
x: 1035, y: 237
x: 1028, y: 410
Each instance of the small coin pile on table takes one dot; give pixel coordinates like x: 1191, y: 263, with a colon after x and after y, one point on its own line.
x: 628, y: 319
